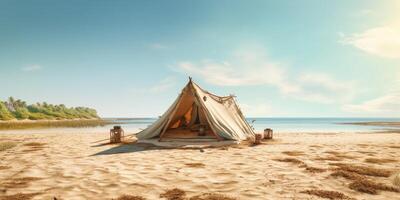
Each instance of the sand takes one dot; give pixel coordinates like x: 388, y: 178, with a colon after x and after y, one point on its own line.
x: 70, y: 166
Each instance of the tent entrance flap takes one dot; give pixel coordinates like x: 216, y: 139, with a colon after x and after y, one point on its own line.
x: 189, y: 121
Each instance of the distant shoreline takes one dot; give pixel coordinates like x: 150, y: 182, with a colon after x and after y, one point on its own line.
x: 72, y: 123
x: 45, y: 120
x: 387, y: 124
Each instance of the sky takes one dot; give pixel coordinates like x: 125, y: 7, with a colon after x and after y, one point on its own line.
x: 305, y: 58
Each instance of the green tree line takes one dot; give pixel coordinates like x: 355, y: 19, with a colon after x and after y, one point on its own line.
x: 18, y: 109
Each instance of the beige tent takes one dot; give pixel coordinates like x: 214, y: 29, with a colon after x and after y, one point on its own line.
x: 197, y: 114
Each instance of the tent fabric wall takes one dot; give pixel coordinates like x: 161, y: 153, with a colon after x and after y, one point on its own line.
x: 221, y: 113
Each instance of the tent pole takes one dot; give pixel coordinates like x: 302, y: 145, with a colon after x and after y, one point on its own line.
x: 202, y: 107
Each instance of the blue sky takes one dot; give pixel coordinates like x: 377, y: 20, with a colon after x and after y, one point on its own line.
x: 131, y: 58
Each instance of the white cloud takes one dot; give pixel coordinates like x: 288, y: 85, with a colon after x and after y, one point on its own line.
x: 248, y: 68
x: 31, y: 68
x: 383, y: 41
x: 163, y: 85
x: 388, y: 104
x: 385, y: 105
x: 319, y: 87
x: 256, y: 110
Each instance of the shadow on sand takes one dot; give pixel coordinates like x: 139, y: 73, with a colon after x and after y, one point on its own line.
x: 128, y: 148
x: 148, y: 145
x: 131, y: 147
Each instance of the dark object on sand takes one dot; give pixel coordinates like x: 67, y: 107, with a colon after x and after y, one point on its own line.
x: 116, y: 134
x: 258, y: 138
x: 268, y: 133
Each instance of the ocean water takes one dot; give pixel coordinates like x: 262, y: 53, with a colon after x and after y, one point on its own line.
x: 280, y: 124
x: 291, y: 125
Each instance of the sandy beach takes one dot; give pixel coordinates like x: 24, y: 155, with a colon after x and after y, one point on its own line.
x: 71, y: 166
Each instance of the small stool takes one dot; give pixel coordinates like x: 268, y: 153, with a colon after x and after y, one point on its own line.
x: 116, y: 134
x: 268, y: 133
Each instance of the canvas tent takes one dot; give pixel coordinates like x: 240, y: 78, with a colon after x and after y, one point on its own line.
x: 198, y: 114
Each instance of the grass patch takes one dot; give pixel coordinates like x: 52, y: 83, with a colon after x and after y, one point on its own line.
x: 380, y: 160
x: 20, y: 196
x: 369, y: 171
x: 212, y: 196
x: 7, y: 145
x: 293, y: 153
x: 130, y: 197
x: 195, y: 165
x: 174, y: 194
x: 326, y: 194
x: 315, y: 169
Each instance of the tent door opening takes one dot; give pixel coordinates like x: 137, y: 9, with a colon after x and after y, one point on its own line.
x: 189, y: 122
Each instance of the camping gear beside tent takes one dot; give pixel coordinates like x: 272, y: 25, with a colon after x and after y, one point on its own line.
x: 268, y: 133
x: 198, y: 114
x: 258, y: 138
x: 116, y: 134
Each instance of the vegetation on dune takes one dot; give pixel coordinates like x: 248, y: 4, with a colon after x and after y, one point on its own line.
x: 5, y: 114
x: 16, y: 114
x: 18, y: 109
